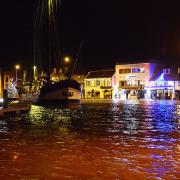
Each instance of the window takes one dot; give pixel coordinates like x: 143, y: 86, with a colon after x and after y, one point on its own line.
x: 7, y: 79
x: 138, y: 83
x: 128, y: 71
x: 97, y: 82
x: 122, y: 83
x: 137, y: 70
x: 124, y: 71
x: 87, y: 83
x: 166, y: 71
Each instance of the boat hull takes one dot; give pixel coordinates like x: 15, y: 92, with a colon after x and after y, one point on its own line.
x: 60, y: 96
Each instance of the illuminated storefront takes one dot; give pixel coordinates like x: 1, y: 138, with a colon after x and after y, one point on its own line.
x: 131, y: 80
x: 98, y: 84
x: 161, y: 88
x: 164, y: 84
x: 146, y: 81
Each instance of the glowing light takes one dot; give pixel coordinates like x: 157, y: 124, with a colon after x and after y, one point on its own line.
x: 1, y: 100
x: 34, y: 69
x: 17, y: 66
x: 148, y: 91
x: 161, y: 83
x: 116, y: 95
x: 115, y: 87
x: 15, y: 157
x: 66, y: 59
x: 160, y: 79
x: 131, y: 76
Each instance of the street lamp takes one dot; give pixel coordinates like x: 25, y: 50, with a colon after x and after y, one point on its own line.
x: 67, y: 59
x: 66, y: 65
x: 17, y: 67
x: 34, y: 68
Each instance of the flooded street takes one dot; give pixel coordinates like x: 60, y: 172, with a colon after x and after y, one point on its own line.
x: 106, y: 140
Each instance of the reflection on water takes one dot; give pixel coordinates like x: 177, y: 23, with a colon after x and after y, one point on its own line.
x: 122, y: 140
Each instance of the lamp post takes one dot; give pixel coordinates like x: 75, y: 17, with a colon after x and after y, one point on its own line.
x: 66, y: 65
x: 17, y: 67
x: 34, y: 70
x: 66, y: 59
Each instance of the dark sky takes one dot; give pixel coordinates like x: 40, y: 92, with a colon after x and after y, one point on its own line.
x: 112, y: 31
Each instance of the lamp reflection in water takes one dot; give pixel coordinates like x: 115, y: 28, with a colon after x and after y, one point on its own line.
x: 49, y: 116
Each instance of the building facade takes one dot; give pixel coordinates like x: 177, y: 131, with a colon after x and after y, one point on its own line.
x: 164, y: 83
x: 146, y: 81
x: 131, y: 79
x: 98, y: 84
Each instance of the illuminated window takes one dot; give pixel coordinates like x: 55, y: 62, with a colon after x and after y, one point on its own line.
x: 124, y: 71
x: 122, y: 83
x: 166, y: 71
x: 137, y: 70
x: 97, y: 82
x: 87, y: 83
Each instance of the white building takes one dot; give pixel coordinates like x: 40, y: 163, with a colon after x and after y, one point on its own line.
x: 130, y: 80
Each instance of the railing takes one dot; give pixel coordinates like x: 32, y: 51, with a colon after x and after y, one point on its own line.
x: 132, y: 87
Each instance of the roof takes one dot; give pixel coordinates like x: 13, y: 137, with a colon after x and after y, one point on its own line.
x: 132, y: 63
x: 136, y: 61
x: 173, y: 76
x: 100, y: 74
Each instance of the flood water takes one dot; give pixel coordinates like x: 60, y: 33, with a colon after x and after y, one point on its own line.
x: 104, y: 140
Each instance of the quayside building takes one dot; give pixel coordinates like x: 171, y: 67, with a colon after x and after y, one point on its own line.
x: 146, y: 81
x: 99, y: 84
x: 134, y: 81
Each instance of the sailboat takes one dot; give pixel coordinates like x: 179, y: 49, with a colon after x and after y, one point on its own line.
x: 66, y: 91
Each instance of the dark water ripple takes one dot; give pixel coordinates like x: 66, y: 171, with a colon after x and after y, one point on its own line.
x: 114, y: 140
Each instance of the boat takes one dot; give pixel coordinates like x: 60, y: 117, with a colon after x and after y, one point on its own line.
x: 63, y: 92
x: 67, y: 91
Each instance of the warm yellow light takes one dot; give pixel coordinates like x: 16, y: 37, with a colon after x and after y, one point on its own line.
x: 34, y: 67
x: 17, y: 66
x: 66, y: 59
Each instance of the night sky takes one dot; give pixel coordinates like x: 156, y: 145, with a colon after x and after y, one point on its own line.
x: 111, y: 31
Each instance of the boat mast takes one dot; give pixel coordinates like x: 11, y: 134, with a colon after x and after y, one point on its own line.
x: 77, y: 56
x: 49, y: 38
x: 53, y: 6
x: 46, y: 40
